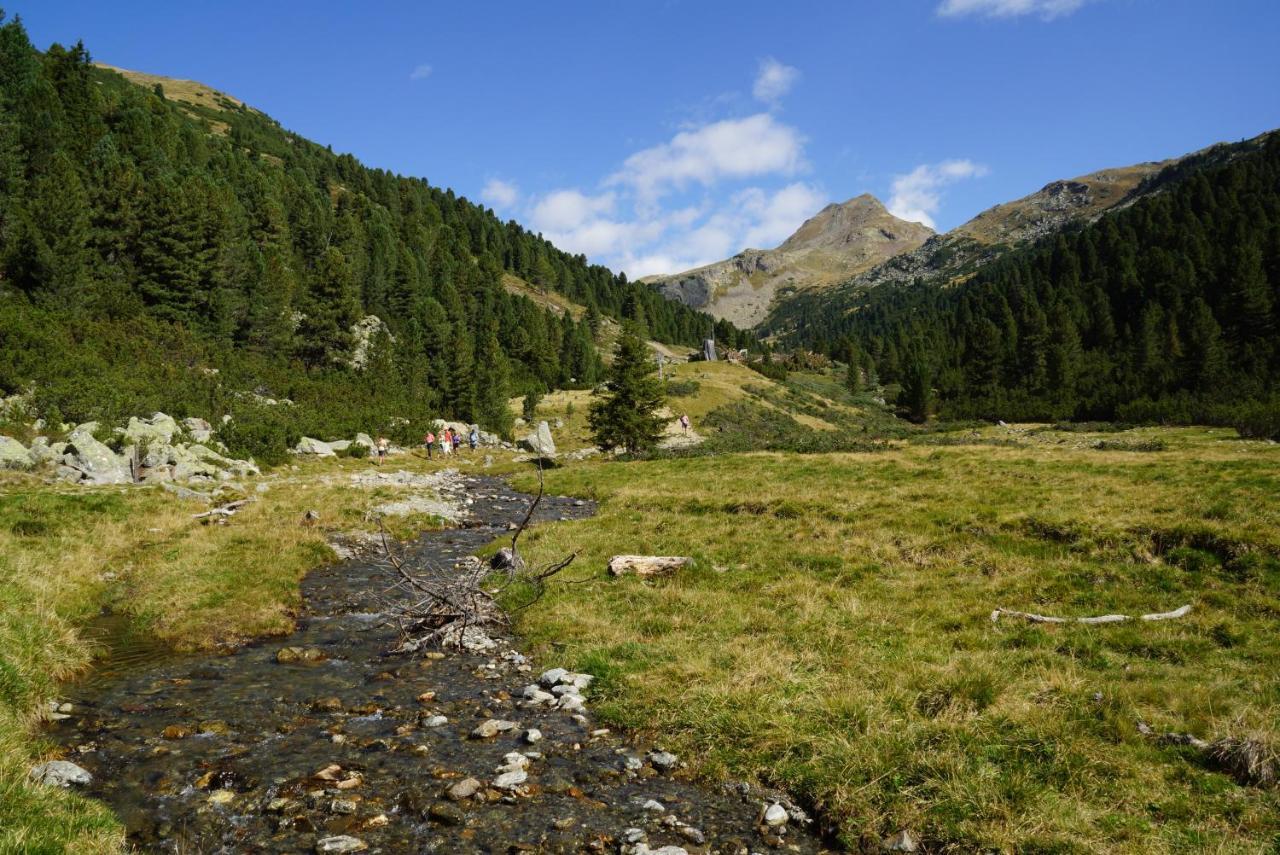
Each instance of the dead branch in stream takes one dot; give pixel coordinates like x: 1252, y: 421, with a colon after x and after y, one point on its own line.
x: 458, y: 606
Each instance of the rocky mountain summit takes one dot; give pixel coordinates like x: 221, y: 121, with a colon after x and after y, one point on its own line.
x: 840, y: 241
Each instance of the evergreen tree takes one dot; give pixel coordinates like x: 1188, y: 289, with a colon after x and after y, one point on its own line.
x: 916, y: 397
x: 492, y: 385
x: 624, y: 414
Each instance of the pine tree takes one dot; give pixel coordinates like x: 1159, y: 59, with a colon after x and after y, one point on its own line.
x: 624, y: 414
x: 492, y: 385
x: 916, y: 397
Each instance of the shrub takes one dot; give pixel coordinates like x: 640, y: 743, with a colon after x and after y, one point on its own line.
x: 357, y: 451
x: 264, y: 433
x: 682, y: 388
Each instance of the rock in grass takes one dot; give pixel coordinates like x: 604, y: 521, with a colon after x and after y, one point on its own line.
x: 775, y: 815
x: 340, y: 843
x: 647, y: 565
x: 14, y: 455
x: 60, y: 773
x: 900, y: 842
x: 664, y: 761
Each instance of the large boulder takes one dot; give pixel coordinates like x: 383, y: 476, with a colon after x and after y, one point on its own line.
x: 540, y: 441
x: 157, y: 430
x: 14, y: 455
x: 307, y: 445
x: 60, y: 773
x: 42, y: 452
x: 198, y: 429
x: 94, y: 461
x: 365, y: 440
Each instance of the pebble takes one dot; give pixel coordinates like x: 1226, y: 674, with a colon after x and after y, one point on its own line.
x: 900, y: 842
x: 340, y: 843
x: 343, y: 807
x: 491, y: 728
x: 775, y: 815
x: 654, y: 805
x: 464, y: 789
x: 436, y: 721
x: 510, y: 780
x: 446, y: 813
x: 533, y: 736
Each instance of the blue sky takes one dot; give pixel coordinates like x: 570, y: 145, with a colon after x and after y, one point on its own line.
x: 655, y: 136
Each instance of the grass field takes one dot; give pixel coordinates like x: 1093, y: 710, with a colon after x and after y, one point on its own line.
x: 68, y: 553
x: 835, y: 636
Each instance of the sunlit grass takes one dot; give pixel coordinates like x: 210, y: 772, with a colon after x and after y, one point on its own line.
x: 835, y: 634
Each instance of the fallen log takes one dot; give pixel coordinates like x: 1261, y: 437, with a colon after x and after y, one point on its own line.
x: 224, y: 511
x: 1031, y: 617
x: 647, y: 565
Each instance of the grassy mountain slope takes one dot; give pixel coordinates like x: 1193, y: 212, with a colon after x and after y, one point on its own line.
x: 839, y: 241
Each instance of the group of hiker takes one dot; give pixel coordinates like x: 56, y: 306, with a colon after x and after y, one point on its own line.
x: 450, y: 440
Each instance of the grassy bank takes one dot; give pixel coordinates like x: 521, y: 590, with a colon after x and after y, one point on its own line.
x: 68, y: 553
x: 835, y: 635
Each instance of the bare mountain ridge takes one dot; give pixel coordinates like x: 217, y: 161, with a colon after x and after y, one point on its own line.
x: 840, y: 241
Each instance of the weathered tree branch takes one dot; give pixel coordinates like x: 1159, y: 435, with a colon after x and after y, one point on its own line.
x: 1031, y: 617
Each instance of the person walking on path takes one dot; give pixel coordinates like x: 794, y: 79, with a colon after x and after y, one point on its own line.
x: 429, y: 440
x: 382, y: 449
x: 473, y: 438
x: 684, y: 422
x: 446, y: 441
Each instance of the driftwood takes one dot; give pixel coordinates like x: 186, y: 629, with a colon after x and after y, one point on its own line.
x: 454, y: 607
x: 226, y: 510
x: 647, y: 565
x: 1035, y: 618
x: 1250, y: 761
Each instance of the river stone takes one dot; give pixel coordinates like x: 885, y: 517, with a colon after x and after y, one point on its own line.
x: 464, y: 789
x: 60, y: 773
x: 491, y: 728
x: 553, y: 676
x: 540, y: 441
x: 533, y: 736
x: 436, y: 721
x: 307, y: 445
x: 340, y: 843
x: 96, y: 463
x: 775, y: 815
x: 510, y: 780
x: 665, y: 761
x: 287, y: 655
x: 14, y: 455
x: 900, y: 842
x: 446, y: 813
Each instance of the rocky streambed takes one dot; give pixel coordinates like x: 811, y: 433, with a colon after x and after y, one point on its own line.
x: 323, y: 741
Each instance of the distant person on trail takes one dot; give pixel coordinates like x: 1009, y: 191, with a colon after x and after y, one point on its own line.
x: 429, y: 440
x: 473, y: 438
x: 446, y: 441
x: 457, y: 440
x: 684, y: 422
x: 382, y: 449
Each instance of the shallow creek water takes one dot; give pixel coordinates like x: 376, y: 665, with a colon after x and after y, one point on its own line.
x: 221, y: 753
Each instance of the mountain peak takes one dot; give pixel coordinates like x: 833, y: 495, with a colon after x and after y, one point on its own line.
x: 862, y: 220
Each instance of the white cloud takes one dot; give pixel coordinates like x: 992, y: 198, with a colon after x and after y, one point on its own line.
x: 917, y: 195
x: 1046, y: 9
x: 420, y: 72
x: 500, y: 194
x: 774, y: 80
x: 730, y: 148
x: 776, y: 217
x: 565, y: 210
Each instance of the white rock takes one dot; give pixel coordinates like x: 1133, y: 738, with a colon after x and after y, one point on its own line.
x: 664, y: 760
x: 93, y: 460
x: 340, y: 843
x: 900, y: 842
x: 60, y: 773
x: 533, y: 736
x: 307, y: 445
x: 436, y: 721
x: 553, y: 676
x: 775, y: 815
x: 14, y: 455
x: 510, y: 780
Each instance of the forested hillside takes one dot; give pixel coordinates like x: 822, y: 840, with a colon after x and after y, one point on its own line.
x: 191, y: 257
x: 1165, y: 310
